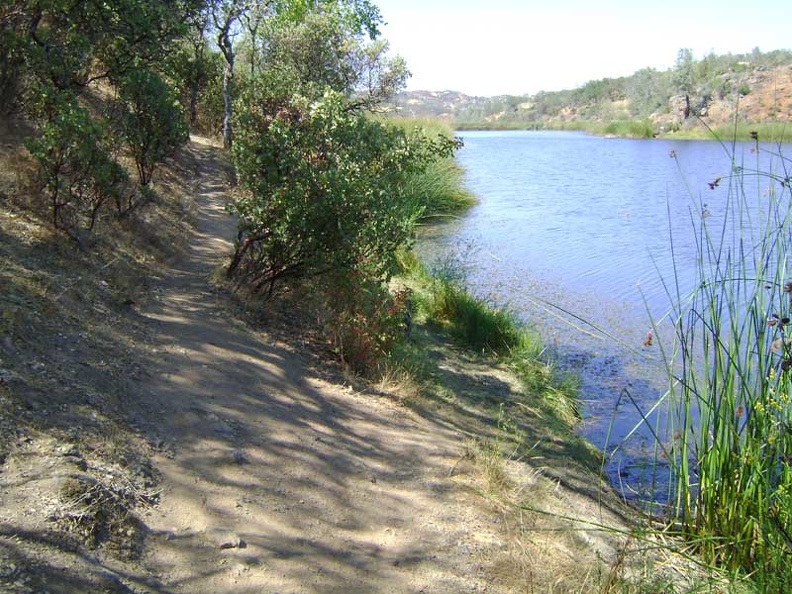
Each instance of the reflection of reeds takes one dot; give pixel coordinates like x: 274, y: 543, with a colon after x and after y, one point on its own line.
x: 730, y: 418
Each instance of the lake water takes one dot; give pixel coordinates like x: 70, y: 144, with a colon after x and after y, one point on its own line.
x: 573, y: 232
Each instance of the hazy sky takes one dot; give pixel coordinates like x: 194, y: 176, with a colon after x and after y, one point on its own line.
x: 492, y: 47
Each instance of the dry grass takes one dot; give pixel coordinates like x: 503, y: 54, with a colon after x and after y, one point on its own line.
x: 560, y: 539
x: 66, y: 354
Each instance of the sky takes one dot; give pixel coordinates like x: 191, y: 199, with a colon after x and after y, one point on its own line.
x: 495, y: 47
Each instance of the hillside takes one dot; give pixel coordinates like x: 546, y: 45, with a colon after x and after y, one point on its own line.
x: 754, y: 89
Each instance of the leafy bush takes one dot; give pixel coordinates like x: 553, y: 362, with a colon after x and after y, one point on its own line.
x: 77, y: 173
x: 323, y: 190
x: 153, y: 124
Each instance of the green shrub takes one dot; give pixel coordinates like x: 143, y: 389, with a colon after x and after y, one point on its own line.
x: 364, y: 320
x: 77, y: 173
x: 152, y: 123
x: 323, y: 190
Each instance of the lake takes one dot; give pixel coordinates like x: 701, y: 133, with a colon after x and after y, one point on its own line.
x: 573, y: 232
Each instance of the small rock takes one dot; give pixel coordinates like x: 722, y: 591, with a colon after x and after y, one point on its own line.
x: 232, y: 542
x: 239, y: 457
x: 69, y: 451
x: 77, y: 461
x: 226, y: 539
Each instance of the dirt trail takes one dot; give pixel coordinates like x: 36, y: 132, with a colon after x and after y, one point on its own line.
x: 275, y: 480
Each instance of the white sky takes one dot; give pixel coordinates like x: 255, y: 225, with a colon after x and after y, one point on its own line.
x: 493, y: 47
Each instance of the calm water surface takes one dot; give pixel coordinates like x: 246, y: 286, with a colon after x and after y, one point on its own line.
x: 574, y: 232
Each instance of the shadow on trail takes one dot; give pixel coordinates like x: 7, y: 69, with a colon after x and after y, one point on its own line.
x: 84, y: 573
x: 274, y: 478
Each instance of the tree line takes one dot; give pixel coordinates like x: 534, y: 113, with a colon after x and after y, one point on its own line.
x: 639, y: 96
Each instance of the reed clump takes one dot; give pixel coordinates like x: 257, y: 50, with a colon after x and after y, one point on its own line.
x: 729, y: 441
x: 438, y: 190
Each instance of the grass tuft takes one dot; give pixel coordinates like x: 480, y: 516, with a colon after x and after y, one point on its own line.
x: 439, y: 190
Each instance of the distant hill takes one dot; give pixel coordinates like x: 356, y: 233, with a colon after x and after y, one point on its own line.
x: 757, y: 87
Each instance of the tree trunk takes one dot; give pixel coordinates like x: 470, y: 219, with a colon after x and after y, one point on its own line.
x: 193, y: 102
x: 228, y: 103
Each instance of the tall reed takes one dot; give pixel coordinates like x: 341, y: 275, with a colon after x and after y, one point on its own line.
x: 730, y: 417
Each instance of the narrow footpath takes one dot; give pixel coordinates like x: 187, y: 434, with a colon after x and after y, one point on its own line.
x: 274, y: 479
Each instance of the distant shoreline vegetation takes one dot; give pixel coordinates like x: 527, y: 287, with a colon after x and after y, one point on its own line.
x: 727, y: 96
x: 768, y: 131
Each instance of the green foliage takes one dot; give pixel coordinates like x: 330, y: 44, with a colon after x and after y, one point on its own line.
x: 77, y: 173
x: 312, y: 54
x: 319, y: 52
x: 778, y: 132
x: 684, y: 73
x: 197, y: 71
x: 438, y: 190
x: 70, y: 43
x: 152, y: 122
x: 323, y: 190
x: 356, y: 17
x: 442, y: 298
x: 12, y: 57
x: 648, y: 91
x: 629, y: 129
x: 475, y: 323
x: 730, y: 448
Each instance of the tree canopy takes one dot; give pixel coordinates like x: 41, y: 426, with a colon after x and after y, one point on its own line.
x: 295, y: 82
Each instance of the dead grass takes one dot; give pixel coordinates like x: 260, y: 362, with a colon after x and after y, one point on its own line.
x: 66, y: 356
